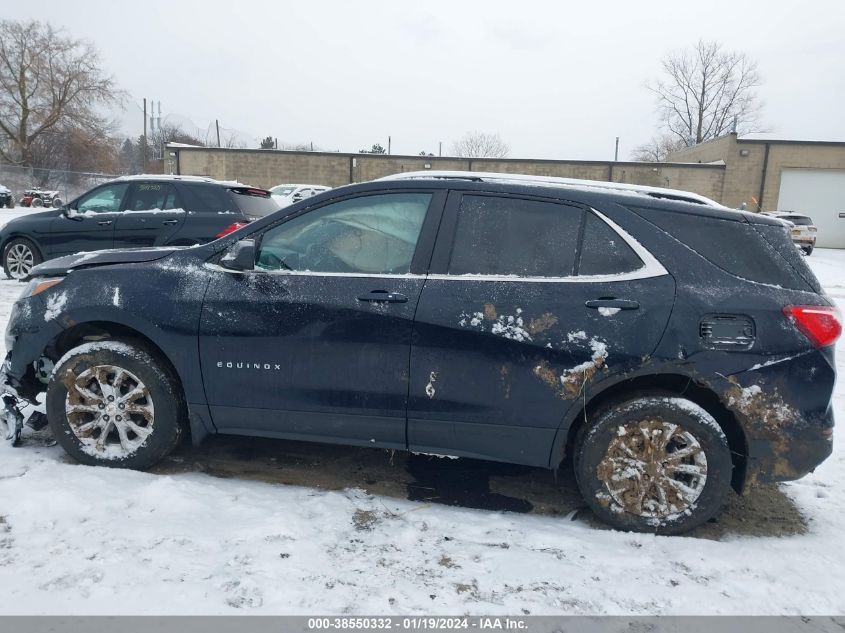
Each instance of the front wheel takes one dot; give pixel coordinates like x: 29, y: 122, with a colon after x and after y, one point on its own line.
x: 19, y: 257
x: 37, y: 202
x: 114, y: 404
x: 654, y: 464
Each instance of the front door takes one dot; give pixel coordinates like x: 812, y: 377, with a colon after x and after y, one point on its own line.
x: 88, y: 223
x: 152, y: 211
x: 315, y: 342
x: 530, y: 303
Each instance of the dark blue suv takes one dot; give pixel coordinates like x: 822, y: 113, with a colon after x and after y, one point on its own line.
x: 132, y: 212
x: 665, y: 348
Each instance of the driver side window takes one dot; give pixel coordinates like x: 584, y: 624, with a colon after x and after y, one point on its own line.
x: 370, y: 235
x: 103, y: 200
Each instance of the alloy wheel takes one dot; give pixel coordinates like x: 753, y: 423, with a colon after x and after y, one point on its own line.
x: 20, y: 259
x: 110, y: 411
x: 654, y: 469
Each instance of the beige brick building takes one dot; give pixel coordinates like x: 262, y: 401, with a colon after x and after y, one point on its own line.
x: 801, y: 176
x: 770, y: 174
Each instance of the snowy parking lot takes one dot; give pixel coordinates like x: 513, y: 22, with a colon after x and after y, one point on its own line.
x: 251, y: 525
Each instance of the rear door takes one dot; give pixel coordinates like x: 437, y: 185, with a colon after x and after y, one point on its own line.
x: 151, y: 213
x: 88, y: 223
x: 529, y: 305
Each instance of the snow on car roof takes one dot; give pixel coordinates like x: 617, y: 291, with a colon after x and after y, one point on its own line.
x: 180, y: 177
x: 551, y: 181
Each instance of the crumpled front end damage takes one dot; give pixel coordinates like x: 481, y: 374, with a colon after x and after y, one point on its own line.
x: 24, y: 373
x: 785, y: 409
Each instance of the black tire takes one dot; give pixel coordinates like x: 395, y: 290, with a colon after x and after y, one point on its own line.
x: 612, y: 484
x: 37, y: 202
x: 88, y: 366
x: 10, y: 204
x: 808, y: 250
x: 56, y: 203
x: 16, y: 264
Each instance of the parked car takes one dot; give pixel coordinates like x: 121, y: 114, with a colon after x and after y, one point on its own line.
x: 289, y: 194
x: 6, y: 197
x: 131, y: 212
x: 40, y: 198
x: 802, y: 229
x: 666, y: 350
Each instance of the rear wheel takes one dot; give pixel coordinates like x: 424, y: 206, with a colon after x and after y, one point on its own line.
x: 37, y: 202
x: 654, y: 464
x: 19, y: 256
x: 808, y: 250
x: 114, y: 404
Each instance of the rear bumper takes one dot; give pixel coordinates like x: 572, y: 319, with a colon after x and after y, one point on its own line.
x: 786, y: 415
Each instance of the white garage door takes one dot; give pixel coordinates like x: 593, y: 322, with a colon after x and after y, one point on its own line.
x: 819, y: 193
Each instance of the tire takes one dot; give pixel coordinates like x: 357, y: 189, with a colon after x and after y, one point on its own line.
x: 37, y: 202
x: 19, y: 257
x: 621, y: 475
x: 808, y: 250
x: 56, y: 203
x: 91, y: 391
x: 10, y: 203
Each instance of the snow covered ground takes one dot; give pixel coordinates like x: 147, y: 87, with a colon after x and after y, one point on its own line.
x: 82, y: 540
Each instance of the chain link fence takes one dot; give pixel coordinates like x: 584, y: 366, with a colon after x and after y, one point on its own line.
x: 53, y: 187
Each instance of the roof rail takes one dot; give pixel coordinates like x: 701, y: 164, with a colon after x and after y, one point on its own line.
x: 552, y: 181
x: 179, y: 177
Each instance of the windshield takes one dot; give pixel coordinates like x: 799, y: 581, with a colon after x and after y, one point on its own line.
x: 282, y: 190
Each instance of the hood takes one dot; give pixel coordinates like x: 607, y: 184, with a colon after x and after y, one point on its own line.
x: 29, y: 215
x: 63, y: 265
x: 4, y: 189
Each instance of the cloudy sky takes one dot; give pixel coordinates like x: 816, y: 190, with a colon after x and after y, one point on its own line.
x: 555, y: 79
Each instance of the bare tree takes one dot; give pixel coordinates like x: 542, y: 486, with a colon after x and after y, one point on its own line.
x: 657, y: 150
x: 480, y: 145
x: 707, y: 92
x: 47, y: 81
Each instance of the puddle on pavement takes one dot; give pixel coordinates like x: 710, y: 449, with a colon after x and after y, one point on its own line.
x: 462, y: 482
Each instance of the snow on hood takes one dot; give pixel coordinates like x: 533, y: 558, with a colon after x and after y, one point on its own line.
x: 63, y: 265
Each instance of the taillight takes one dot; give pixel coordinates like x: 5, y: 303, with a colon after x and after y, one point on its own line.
x: 821, y: 324
x: 231, y: 228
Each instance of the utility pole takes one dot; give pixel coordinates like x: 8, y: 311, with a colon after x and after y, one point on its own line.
x: 217, y: 125
x: 388, y: 146
x: 144, y: 142
x: 440, y: 149
x: 616, y: 153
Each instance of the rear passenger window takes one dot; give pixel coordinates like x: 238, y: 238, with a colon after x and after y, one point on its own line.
x: 604, y: 252
x: 510, y: 236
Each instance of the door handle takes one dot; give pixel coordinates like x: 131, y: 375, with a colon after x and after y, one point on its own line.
x: 610, y: 302
x: 383, y: 296
x: 169, y: 222
x: 104, y: 222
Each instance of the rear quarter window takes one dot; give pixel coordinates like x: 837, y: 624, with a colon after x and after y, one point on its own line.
x: 761, y: 253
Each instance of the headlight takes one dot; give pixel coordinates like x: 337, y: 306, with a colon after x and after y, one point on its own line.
x: 38, y: 285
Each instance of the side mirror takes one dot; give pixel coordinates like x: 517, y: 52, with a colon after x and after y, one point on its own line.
x: 240, y: 256
x: 70, y: 213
